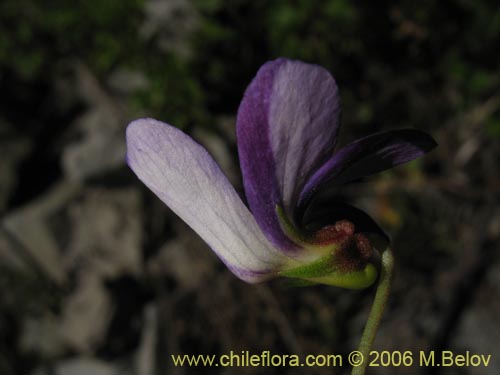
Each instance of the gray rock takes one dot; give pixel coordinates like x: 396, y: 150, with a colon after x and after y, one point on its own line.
x: 28, y: 228
x: 124, y: 81
x: 41, y: 335
x: 476, y: 331
x: 185, y: 259
x: 145, y: 357
x: 172, y: 22
x: 86, y: 315
x: 10, y: 254
x: 105, y: 233
x: 82, y: 366
x: 13, y: 151
x: 102, y: 145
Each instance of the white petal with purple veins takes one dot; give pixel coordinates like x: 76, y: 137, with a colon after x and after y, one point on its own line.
x: 188, y: 180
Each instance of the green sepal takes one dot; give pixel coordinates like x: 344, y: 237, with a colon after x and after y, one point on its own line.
x: 290, y: 230
x: 317, y: 272
x: 297, y: 283
x: 324, y: 270
x: 319, y: 268
x: 350, y: 280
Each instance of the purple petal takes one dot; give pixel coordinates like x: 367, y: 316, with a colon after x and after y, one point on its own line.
x: 287, y: 125
x: 367, y: 156
x: 188, y: 180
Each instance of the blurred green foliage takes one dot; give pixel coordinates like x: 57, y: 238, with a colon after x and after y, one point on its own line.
x: 35, y: 35
x: 417, y: 64
x: 397, y: 64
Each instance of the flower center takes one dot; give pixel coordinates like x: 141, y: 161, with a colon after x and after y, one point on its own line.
x: 348, y: 250
x: 336, y: 233
x: 354, y: 253
x: 334, y: 255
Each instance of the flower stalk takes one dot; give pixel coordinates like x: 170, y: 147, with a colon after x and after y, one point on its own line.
x: 376, y: 312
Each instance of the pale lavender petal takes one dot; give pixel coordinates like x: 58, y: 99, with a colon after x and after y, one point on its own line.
x: 188, y: 180
x: 367, y: 156
x: 287, y: 125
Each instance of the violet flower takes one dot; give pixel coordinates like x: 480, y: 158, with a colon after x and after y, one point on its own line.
x: 287, y: 128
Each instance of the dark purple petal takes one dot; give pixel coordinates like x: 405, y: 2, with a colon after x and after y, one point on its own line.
x: 286, y: 127
x: 367, y: 156
x: 188, y: 180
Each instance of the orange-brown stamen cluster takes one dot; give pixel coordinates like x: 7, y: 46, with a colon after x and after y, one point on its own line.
x: 353, y: 250
x: 331, y: 234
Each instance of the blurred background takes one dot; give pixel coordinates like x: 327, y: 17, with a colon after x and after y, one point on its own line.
x: 98, y: 277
